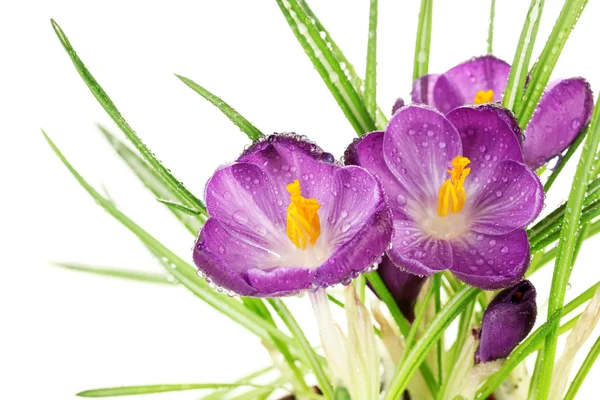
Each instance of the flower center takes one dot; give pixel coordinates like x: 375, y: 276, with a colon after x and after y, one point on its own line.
x: 303, y: 224
x: 484, y: 96
x: 452, y: 196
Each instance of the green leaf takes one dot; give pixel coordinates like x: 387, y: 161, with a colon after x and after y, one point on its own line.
x: 305, y: 347
x: 567, y: 246
x: 518, y: 355
x: 520, y: 65
x: 134, y: 390
x: 325, y: 62
x: 181, y: 271
x: 583, y: 370
x: 370, y: 93
x: 218, y: 394
x: 153, y: 182
x: 355, y: 80
x: 163, y: 173
x: 541, y: 72
x: 490, y: 40
x: 179, y: 207
x: 118, y: 273
x: 421, y: 61
x: 436, y: 328
x: 245, y: 126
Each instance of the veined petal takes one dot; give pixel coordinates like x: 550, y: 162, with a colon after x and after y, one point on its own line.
x: 415, y: 251
x: 225, y: 258
x: 562, y: 114
x: 422, y: 90
x: 418, y: 145
x: 243, y: 198
x: 507, y: 320
x: 491, y: 262
x: 511, y: 198
x: 289, y: 157
x: 367, y: 152
x: 459, y: 85
x: 489, y: 135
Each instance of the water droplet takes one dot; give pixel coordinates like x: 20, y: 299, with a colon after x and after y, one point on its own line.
x: 504, y: 250
x: 240, y: 216
x: 346, y: 227
x: 401, y: 200
x: 442, y: 145
x: 498, y: 193
x: 482, y: 149
x: 344, y: 213
x: 492, y: 243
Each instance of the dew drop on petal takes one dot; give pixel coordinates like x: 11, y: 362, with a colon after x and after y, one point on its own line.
x: 240, y: 216
x: 504, y: 250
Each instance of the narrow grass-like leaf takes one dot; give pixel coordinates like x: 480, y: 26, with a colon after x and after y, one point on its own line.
x: 589, y: 361
x: 518, y: 355
x: 153, y: 182
x: 490, y: 39
x: 110, y: 108
x: 135, y: 390
x: 370, y: 93
x: 181, y: 271
x: 356, y: 81
x: 419, y: 314
x: 245, y: 126
x: 563, y: 161
x: 305, y: 347
x: 179, y: 207
x: 541, y: 72
x: 423, y: 42
x: 117, y: 273
x: 567, y: 245
x: 218, y: 394
x: 325, y: 62
x: 520, y: 65
x: 436, y: 328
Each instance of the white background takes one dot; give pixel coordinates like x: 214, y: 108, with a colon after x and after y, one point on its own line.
x: 63, y: 332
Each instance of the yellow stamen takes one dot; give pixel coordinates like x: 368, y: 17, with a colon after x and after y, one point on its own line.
x: 452, y: 196
x: 303, y: 224
x: 483, y: 97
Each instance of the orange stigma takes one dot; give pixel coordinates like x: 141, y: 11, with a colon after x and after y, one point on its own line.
x: 452, y: 196
x: 303, y: 224
x: 483, y: 97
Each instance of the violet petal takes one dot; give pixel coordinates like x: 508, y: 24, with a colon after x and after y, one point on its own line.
x: 563, y: 112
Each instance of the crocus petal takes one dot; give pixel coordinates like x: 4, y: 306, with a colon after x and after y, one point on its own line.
x: 242, y: 198
x: 403, y: 287
x: 562, y: 114
x: 367, y: 152
x: 459, y: 85
x: 422, y: 90
x: 417, y: 252
x: 489, y: 135
x: 507, y: 320
x: 418, y: 145
x: 224, y: 258
x: 280, y: 281
x: 511, y: 198
x: 288, y: 157
x: 491, y: 262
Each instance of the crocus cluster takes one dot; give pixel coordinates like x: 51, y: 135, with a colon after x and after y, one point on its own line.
x: 448, y: 185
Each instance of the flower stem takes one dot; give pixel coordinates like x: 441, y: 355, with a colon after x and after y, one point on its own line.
x: 421, y: 62
x: 490, y: 39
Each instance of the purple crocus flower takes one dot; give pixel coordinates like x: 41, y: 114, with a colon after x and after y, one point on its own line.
x: 459, y: 191
x: 507, y: 320
x: 285, y: 218
x: 563, y: 112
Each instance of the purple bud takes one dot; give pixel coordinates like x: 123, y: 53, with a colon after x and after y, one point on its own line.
x: 398, y: 104
x: 507, y: 320
x: 403, y: 286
